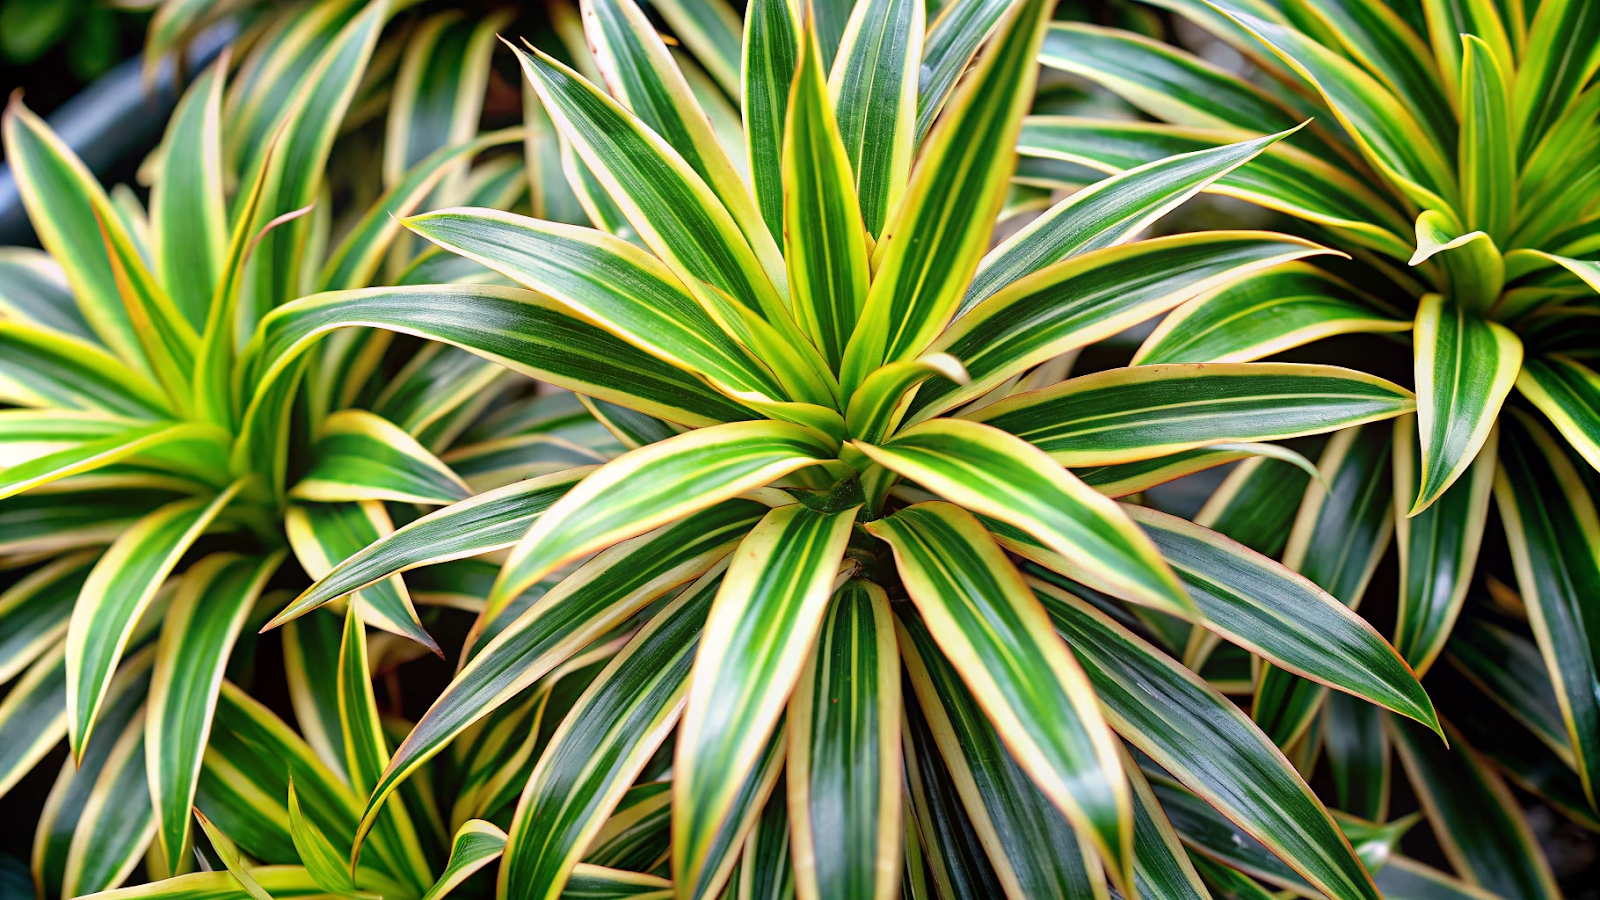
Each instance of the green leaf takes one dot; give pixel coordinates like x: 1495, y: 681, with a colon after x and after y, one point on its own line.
x: 1092, y: 297
x: 600, y: 883
x: 520, y: 330
x: 995, y: 633
x: 1218, y: 842
x: 1141, y: 412
x: 497, y: 751
x: 476, y: 844
x: 311, y: 666
x: 1168, y: 83
x: 1256, y: 505
x: 47, y: 369
x: 36, y: 608
x: 225, y: 848
x: 118, y: 591
x: 94, y: 454
x: 636, y: 835
x: 640, y: 73
x: 652, y: 486
x: 438, y: 98
x: 1161, y: 868
x: 1381, y: 126
x: 1034, y: 851
x: 771, y: 51
x: 873, y: 88
x: 33, y: 716
x: 290, y: 167
x: 1284, y: 617
x: 34, y: 290
x: 1358, y: 754
x: 1378, y: 37
x: 198, y: 632
x: 244, y: 781
x: 1547, y: 194
x: 632, y: 429
x: 939, y: 836
x: 487, y: 522
x: 1560, y: 53
x: 116, y: 822
x: 1587, y: 270
x: 1465, y: 367
x: 765, y: 872
x: 542, y: 340
x: 598, y: 207
x: 876, y: 407
x: 844, y: 763
x: 495, y: 464
x: 1472, y: 262
x: 750, y: 803
x: 1340, y: 534
x: 324, y: 535
x: 270, y: 75
x: 758, y: 637
x: 1407, y: 879
x: 1122, y: 479
x: 1518, y: 753
x: 438, y: 386
x: 602, y: 745
x: 214, y: 396
x: 355, y: 260
x: 58, y: 821
x: 825, y: 241
x: 39, y: 523
x: 1282, y: 177
x: 607, y: 281
x: 188, y: 214
x: 1108, y: 213
x: 680, y: 219
x: 1569, y: 393
x: 953, y: 37
x: 1209, y: 745
x: 941, y: 228
x: 710, y: 29
x: 1438, y: 549
x: 361, y: 456
x: 1004, y: 478
x: 1488, y: 155
x: 1551, y: 525
x: 169, y: 342
x: 285, y: 882
x: 67, y: 209
x: 323, y: 862
x: 1478, y: 823
x: 1263, y: 314
x: 602, y: 594
x: 366, y: 754
x: 1508, y: 669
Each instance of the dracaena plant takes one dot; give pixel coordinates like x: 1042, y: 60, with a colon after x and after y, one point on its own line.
x: 149, y: 501
x: 1457, y: 160
x: 867, y: 545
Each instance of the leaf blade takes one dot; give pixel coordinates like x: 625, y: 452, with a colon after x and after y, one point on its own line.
x: 942, y: 227
x: 759, y: 632
x: 1277, y: 808
x: 968, y: 602
x: 1128, y: 414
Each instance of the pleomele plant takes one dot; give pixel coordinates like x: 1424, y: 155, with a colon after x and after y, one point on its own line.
x: 148, y: 503
x: 866, y: 545
x: 1456, y: 162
